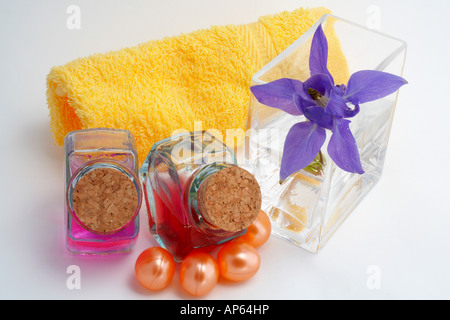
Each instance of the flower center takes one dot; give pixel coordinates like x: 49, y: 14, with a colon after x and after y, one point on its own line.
x: 318, y: 98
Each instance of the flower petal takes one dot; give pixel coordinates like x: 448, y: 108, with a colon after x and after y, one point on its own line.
x: 317, y: 115
x: 336, y: 106
x: 350, y: 113
x: 319, y: 54
x: 319, y: 82
x: 301, y: 146
x: 303, y: 101
x: 279, y: 94
x: 368, y: 85
x: 342, y: 148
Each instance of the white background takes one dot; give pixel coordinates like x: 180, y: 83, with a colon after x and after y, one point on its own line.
x: 401, y: 229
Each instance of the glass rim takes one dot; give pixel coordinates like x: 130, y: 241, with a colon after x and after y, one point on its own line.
x: 256, y: 78
x: 74, y: 132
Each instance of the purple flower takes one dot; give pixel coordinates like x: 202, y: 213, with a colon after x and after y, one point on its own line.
x: 326, y: 107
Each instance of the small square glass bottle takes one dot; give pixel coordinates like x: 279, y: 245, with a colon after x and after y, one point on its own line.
x: 103, y: 193
x: 196, y: 195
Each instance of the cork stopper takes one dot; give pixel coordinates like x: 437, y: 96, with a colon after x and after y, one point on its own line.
x: 105, y: 200
x: 230, y: 199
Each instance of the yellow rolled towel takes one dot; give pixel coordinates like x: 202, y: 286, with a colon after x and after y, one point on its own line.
x: 164, y: 85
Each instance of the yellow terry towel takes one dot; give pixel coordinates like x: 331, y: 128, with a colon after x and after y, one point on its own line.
x: 164, y: 85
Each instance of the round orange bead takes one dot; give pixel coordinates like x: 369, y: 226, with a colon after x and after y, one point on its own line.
x: 238, y: 261
x: 259, y: 231
x: 154, y: 268
x: 198, y: 273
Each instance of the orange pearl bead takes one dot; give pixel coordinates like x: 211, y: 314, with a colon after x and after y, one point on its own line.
x: 238, y: 261
x: 259, y: 231
x: 154, y: 268
x: 198, y: 273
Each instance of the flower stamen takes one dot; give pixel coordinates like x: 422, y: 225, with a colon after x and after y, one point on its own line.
x: 318, y: 98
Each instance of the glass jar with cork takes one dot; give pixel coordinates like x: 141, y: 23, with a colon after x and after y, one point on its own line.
x: 103, y: 193
x: 196, y: 195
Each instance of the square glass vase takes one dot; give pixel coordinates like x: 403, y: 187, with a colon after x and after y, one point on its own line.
x: 307, y: 208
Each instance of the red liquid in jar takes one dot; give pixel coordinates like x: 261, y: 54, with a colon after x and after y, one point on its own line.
x: 173, y: 228
x: 82, y: 241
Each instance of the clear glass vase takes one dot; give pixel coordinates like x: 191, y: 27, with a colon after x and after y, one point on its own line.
x: 307, y: 208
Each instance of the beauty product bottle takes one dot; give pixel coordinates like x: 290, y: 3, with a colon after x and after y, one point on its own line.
x: 196, y: 195
x: 103, y: 192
